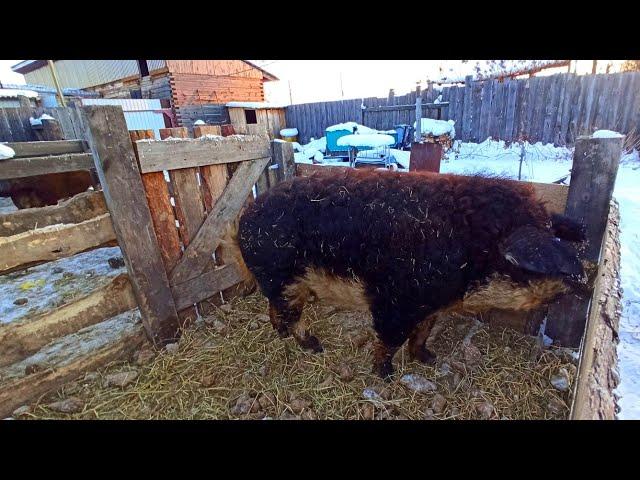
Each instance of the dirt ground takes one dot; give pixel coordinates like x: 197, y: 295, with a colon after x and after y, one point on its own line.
x: 232, y: 365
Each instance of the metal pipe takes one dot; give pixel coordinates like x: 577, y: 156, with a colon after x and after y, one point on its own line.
x: 57, y: 83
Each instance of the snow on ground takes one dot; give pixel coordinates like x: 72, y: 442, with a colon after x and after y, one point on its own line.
x: 627, y: 192
x: 52, y: 284
x: 542, y: 163
x: 6, y: 205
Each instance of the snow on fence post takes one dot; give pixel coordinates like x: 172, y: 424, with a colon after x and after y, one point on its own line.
x: 593, y: 175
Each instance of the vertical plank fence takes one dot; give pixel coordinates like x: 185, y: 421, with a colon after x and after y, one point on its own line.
x: 552, y: 109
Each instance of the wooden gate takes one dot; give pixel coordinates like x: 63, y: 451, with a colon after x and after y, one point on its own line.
x: 170, y: 231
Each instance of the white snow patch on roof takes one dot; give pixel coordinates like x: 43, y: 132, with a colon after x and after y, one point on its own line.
x: 199, y: 122
x: 368, y: 140
x: 6, y: 152
x: 289, y: 132
x: 14, y: 93
x: 606, y: 134
x: 255, y: 105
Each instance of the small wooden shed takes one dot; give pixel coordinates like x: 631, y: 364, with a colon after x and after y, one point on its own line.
x: 257, y: 118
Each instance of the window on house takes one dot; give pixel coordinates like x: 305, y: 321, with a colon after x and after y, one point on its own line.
x: 144, y: 69
x: 250, y: 117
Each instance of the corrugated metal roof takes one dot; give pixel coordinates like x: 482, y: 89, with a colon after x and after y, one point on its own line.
x: 15, y: 93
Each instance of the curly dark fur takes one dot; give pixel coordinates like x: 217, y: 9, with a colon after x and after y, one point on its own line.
x: 415, y: 241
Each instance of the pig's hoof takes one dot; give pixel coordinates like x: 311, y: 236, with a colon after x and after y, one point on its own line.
x: 283, y: 332
x: 384, y: 371
x: 312, y: 343
x: 425, y: 356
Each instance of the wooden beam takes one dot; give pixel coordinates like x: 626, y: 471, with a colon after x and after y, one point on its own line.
x: 124, y: 193
x: 225, y: 210
x: 78, y: 208
x: 593, y: 175
x: 32, y: 166
x: 156, y: 156
x: 52, y: 147
x: 69, y: 358
x: 387, y: 108
x: 597, y: 378
x: 53, y: 242
x: 206, y: 285
x: 22, y: 338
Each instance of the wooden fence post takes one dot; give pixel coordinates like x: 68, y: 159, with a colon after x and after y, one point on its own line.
x: 418, y: 134
x: 124, y: 194
x: 282, y: 154
x: 593, y: 176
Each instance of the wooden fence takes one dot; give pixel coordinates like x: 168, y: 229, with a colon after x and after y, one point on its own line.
x: 15, y: 125
x: 552, y: 109
x: 168, y: 231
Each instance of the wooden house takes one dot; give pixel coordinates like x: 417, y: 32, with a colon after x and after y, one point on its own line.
x: 257, y: 118
x: 195, y: 89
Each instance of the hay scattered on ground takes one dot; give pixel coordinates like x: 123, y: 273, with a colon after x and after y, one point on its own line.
x: 233, y: 365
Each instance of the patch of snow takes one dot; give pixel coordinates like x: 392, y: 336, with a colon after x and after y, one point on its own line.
x: 289, y: 132
x: 375, y: 140
x: 627, y: 194
x: 45, y: 289
x: 199, y: 122
x: 6, y: 152
x: 353, y: 127
x: 318, y: 156
x: 44, y: 116
x: 430, y: 126
x: 606, y: 134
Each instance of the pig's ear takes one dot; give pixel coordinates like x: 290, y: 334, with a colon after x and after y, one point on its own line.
x: 537, y: 251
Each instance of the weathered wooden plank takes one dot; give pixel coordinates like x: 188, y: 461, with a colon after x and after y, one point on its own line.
x: 594, y: 397
x: 22, y: 338
x: 189, y: 210
x: 123, y: 189
x: 487, y: 122
x: 587, y: 113
x: 206, y: 285
x: 595, y: 165
x: 32, y: 166
x: 225, y: 210
x: 282, y: 154
x: 467, y: 111
x: 189, y: 203
x: 158, y: 199
x: 53, y: 242
x: 603, y: 90
x: 202, y: 130
x: 567, y: 105
x: 79, y: 208
x: 69, y: 358
x: 510, y: 122
x: 41, y: 149
x: 631, y: 102
x: 551, y: 109
x: 156, y: 156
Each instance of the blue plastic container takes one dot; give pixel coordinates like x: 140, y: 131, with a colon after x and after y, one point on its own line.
x: 332, y: 141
